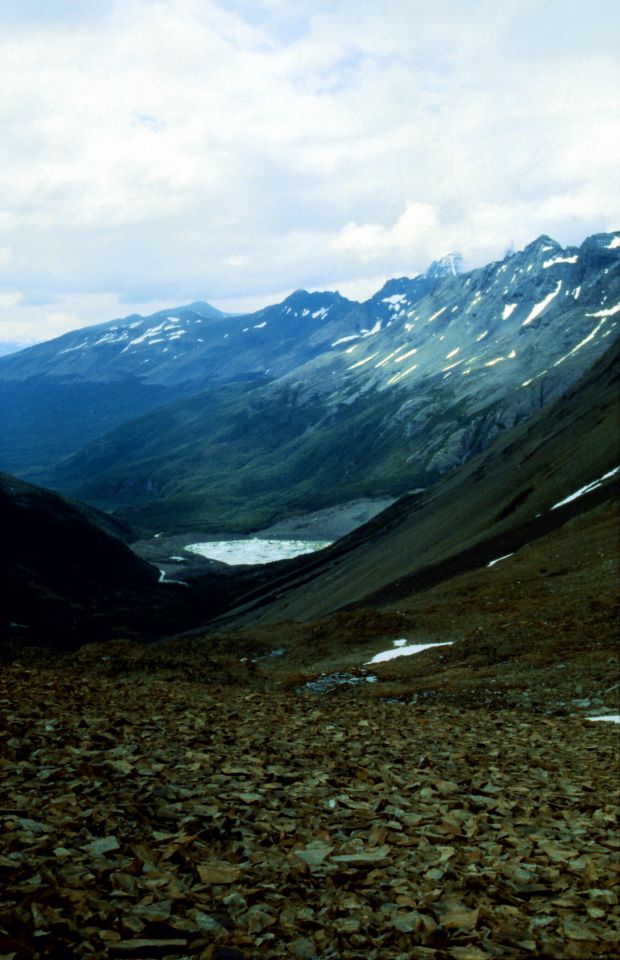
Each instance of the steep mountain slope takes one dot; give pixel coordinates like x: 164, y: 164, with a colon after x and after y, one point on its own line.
x: 500, y: 500
x: 66, y: 581
x: 450, y: 362
x: 57, y: 395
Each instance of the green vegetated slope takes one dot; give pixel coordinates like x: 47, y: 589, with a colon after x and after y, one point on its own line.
x: 234, y: 461
x: 45, y: 419
x: 492, y: 505
x: 238, y: 458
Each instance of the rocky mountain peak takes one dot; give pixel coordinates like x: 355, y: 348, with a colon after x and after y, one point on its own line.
x: 448, y: 266
x: 542, y: 245
x: 305, y: 298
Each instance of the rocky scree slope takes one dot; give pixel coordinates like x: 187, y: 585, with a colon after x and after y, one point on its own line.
x: 182, y: 819
x: 453, y: 362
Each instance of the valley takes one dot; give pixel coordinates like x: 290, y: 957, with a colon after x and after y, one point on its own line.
x: 206, y: 758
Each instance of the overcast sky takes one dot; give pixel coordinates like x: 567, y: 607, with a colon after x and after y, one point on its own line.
x: 156, y: 152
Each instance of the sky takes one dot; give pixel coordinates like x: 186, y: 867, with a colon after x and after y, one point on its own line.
x: 156, y: 152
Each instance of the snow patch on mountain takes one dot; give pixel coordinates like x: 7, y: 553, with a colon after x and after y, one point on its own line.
x: 375, y: 329
x: 360, y: 363
x: 587, y: 488
x: 538, y: 308
x: 581, y: 343
x: 80, y: 346
x: 554, y: 260
x: 404, y: 356
x: 605, y: 313
x: 400, y: 376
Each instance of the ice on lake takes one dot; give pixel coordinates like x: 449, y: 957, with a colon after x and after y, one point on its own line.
x: 255, y: 549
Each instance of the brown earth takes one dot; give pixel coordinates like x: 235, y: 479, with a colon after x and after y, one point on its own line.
x: 144, y: 818
x: 191, y: 798
x: 538, y: 630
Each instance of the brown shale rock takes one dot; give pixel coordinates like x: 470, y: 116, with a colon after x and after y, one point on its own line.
x: 144, y: 818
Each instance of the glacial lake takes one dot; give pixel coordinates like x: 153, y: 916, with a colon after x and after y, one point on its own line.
x: 255, y: 549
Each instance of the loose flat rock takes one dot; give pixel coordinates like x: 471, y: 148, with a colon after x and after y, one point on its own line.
x: 148, y: 818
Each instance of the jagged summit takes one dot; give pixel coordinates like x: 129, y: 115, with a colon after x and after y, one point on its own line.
x: 307, y: 299
x: 448, y: 266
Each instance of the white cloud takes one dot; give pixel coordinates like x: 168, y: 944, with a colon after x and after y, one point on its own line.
x: 225, y: 150
x: 369, y: 241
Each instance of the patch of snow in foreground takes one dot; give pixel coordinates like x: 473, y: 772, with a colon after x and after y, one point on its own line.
x: 400, y: 650
x: 611, y: 717
x: 255, y: 550
x: 492, y: 563
x: 588, y: 487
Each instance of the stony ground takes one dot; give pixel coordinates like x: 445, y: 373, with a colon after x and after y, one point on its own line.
x: 192, y: 798
x: 147, y: 818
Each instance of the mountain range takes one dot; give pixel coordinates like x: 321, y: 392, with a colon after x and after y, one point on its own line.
x: 70, y: 581
x: 181, y: 739
x: 194, y: 419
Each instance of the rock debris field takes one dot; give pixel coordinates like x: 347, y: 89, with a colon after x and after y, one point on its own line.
x: 153, y: 819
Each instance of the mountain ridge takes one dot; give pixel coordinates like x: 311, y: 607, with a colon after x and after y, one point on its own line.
x: 309, y: 402
x: 447, y: 365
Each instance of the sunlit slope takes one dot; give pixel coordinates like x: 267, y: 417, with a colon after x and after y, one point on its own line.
x: 492, y: 505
